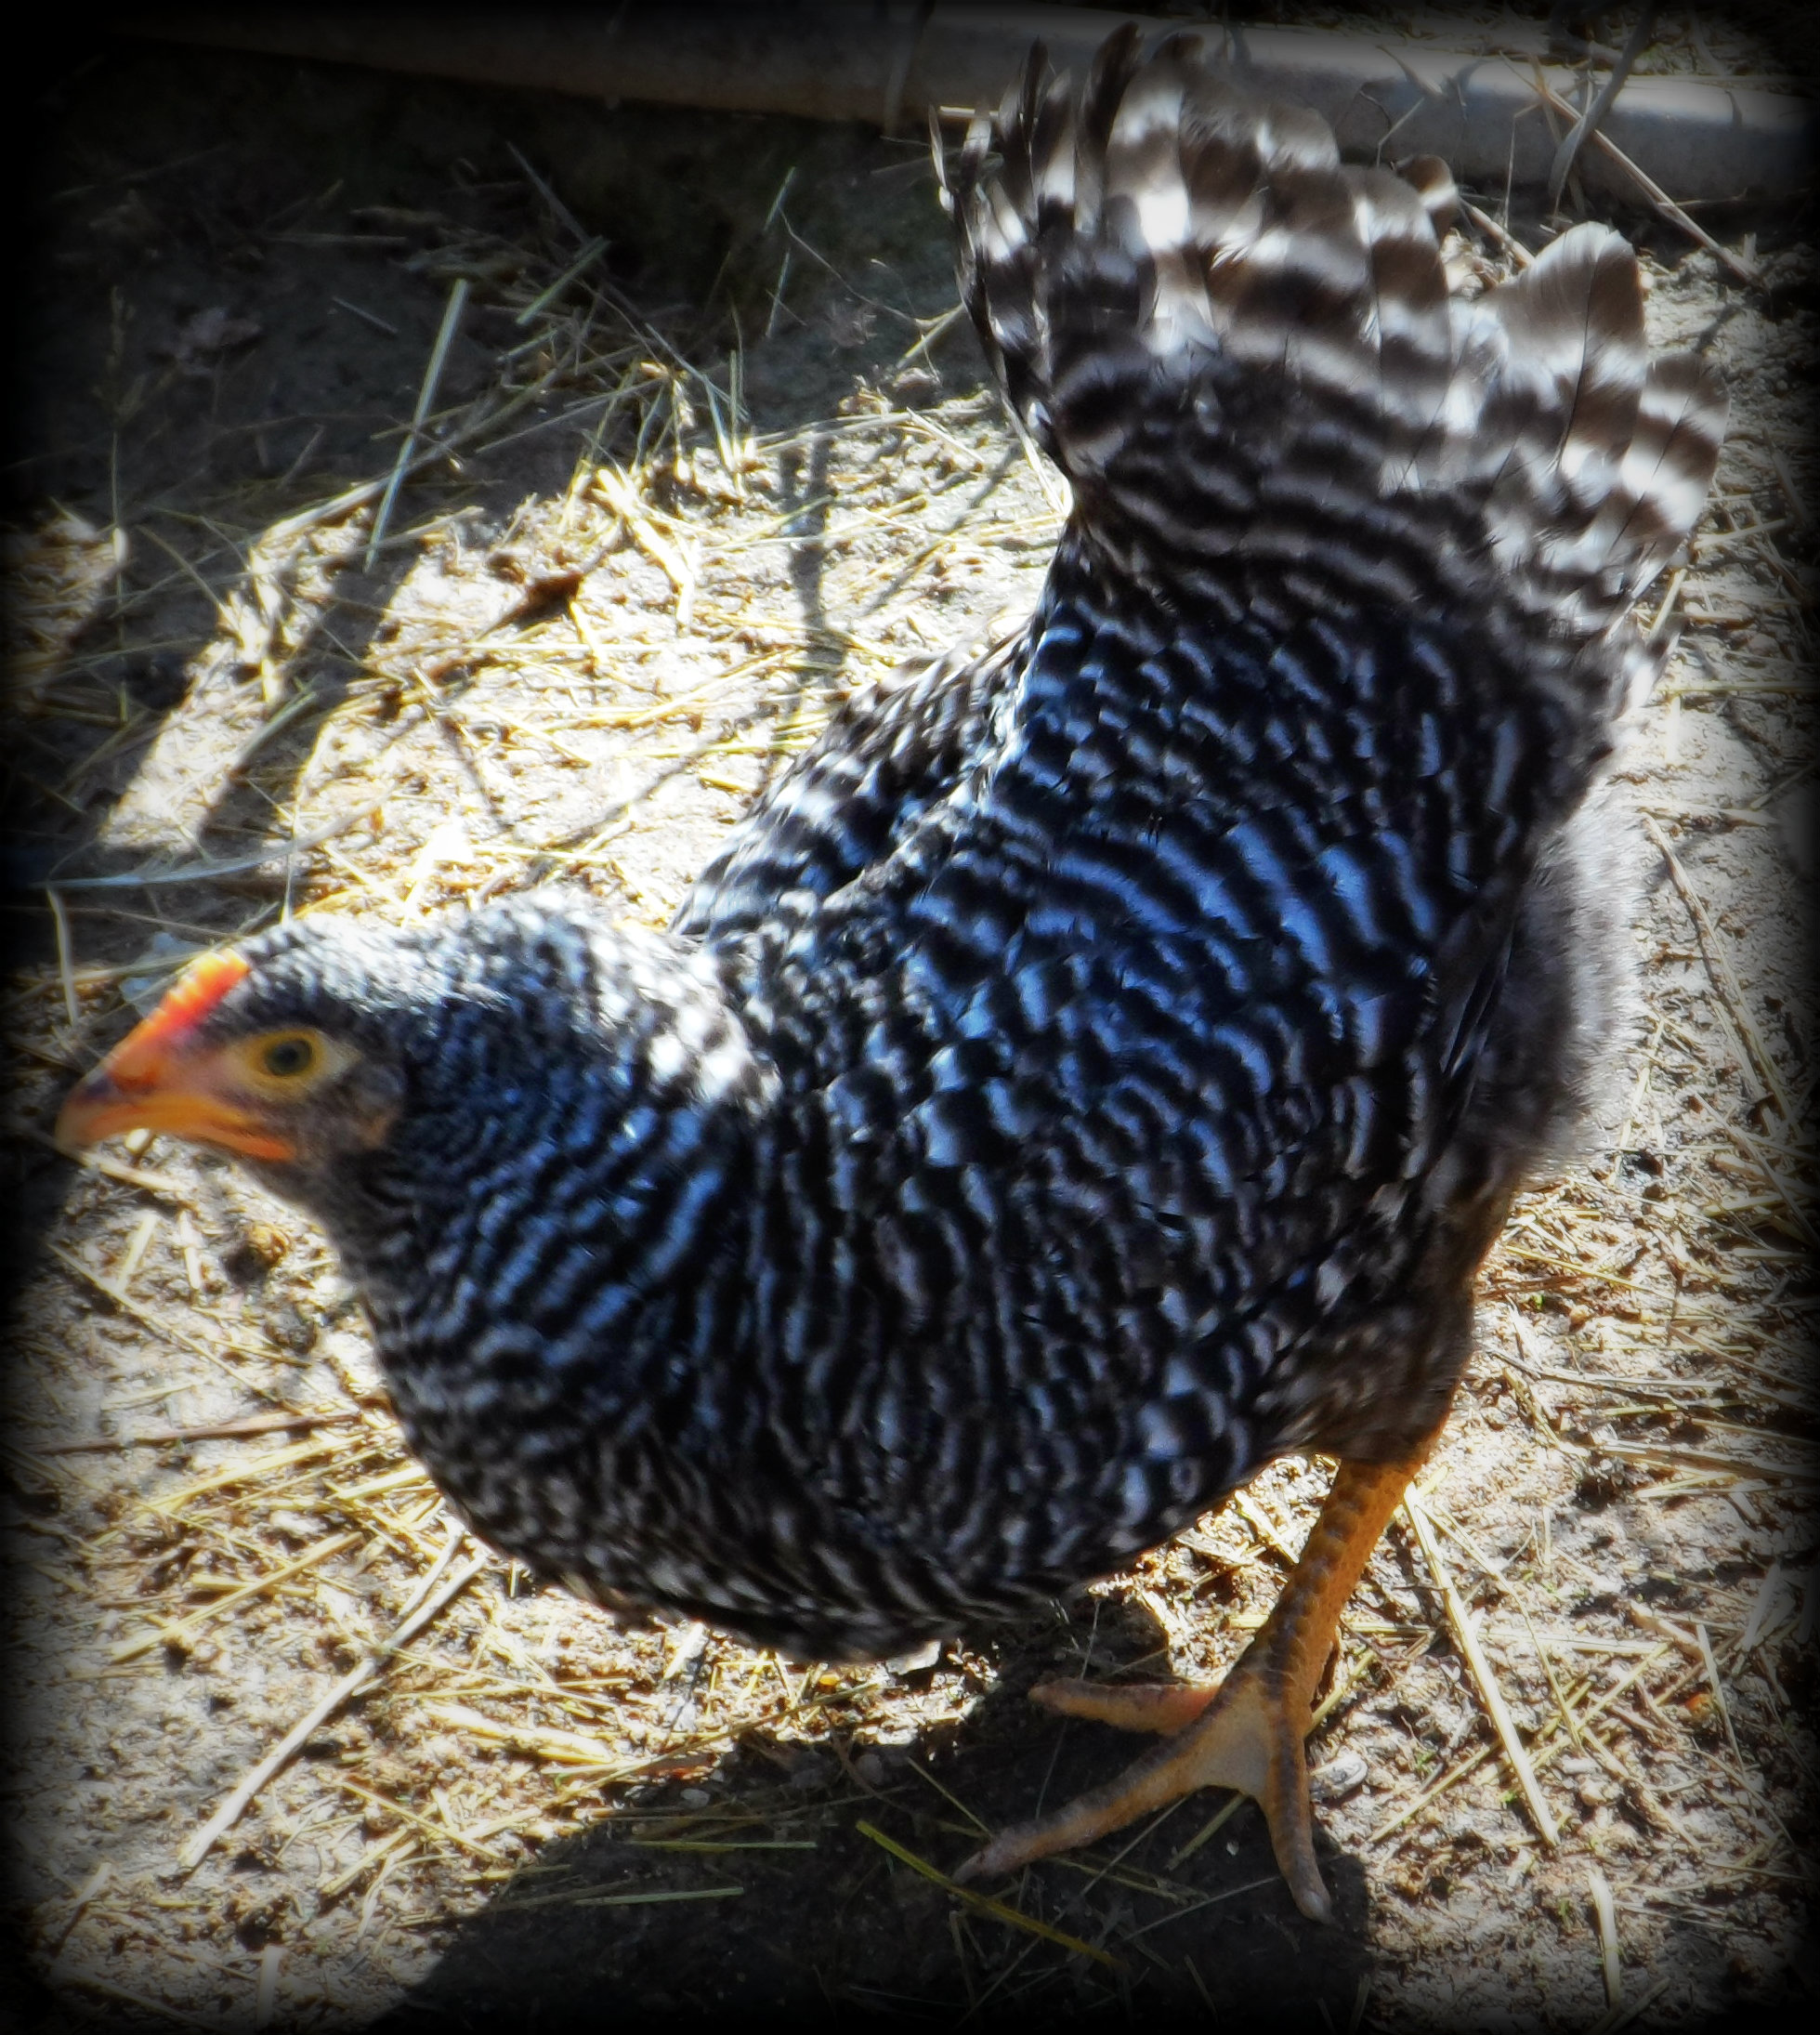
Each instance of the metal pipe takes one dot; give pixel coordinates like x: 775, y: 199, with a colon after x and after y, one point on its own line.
x: 888, y: 61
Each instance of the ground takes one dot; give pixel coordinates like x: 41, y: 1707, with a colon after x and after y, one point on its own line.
x: 706, y: 452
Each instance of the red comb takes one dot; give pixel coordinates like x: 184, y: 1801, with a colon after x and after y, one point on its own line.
x: 191, y: 998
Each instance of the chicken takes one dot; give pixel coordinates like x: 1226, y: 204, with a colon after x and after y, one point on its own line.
x: 1099, y: 1064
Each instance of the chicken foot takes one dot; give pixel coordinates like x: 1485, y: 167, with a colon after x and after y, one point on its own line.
x: 1244, y: 1732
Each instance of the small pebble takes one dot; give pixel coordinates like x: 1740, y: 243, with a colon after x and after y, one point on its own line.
x: 289, y: 1326
x: 919, y: 1658
x: 255, y: 1253
x: 1342, y: 1775
x: 267, y: 1242
x: 698, y: 1798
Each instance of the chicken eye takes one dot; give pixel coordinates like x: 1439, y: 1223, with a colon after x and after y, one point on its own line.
x: 288, y: 1057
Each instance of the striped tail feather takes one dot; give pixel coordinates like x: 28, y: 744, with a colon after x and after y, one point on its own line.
x: 1236, y: 347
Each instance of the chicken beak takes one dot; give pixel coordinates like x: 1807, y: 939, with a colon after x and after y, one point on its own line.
x: 160, y: 1077
x: 175, y: 1102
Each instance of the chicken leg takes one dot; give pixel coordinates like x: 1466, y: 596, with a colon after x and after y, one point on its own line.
x: 1245, y: 1732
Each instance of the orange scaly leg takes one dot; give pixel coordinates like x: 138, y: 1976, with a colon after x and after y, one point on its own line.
x: 1246, y: 1732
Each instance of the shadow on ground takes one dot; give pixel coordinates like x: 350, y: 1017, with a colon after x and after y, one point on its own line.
x: 812, y: 1915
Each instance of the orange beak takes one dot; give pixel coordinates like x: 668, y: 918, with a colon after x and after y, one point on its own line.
x: 160, y: 1077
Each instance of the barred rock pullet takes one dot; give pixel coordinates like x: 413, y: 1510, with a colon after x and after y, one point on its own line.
x: 1097, y: 1066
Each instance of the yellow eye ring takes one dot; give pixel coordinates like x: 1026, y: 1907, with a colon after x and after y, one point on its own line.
x: 289, y: 1056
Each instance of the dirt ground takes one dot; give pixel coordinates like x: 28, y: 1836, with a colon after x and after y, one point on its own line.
x: 707, y: 450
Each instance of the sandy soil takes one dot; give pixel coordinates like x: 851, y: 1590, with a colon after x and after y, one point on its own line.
x: 674, y: 497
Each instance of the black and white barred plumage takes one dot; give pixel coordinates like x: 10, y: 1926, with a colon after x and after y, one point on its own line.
x: 1099, y: 1064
